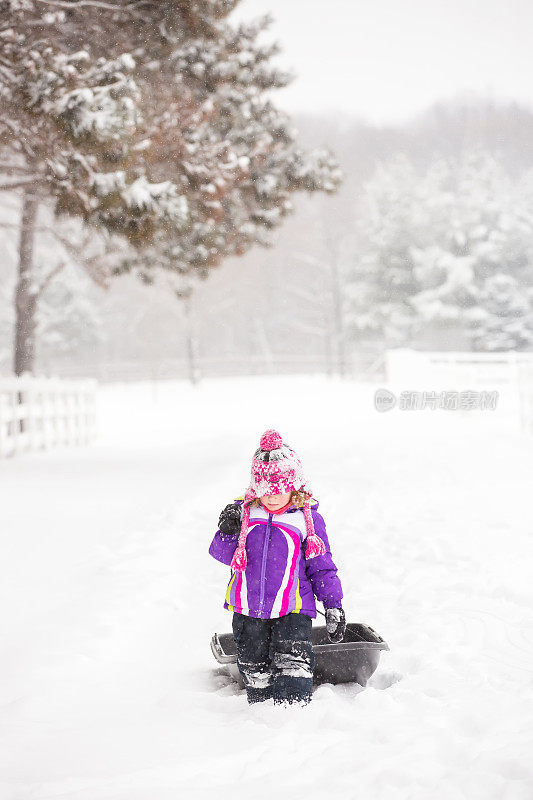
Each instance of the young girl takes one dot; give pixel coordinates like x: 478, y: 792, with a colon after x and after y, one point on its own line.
x: 275, y: 541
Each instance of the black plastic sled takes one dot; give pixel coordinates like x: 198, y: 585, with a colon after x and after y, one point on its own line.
x: 353, y: 660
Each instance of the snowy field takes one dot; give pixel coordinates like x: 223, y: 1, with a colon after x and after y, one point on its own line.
x: 109, y: 690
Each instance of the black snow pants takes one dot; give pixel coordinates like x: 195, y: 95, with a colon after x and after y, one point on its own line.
x: 275, y: 657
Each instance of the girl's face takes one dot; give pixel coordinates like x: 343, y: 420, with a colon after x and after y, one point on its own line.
x: 275, y: 501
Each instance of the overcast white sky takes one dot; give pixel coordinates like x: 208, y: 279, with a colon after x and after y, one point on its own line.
x: 388, y: 59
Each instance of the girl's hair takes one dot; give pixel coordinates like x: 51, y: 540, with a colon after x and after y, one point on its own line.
x: 297, y: 499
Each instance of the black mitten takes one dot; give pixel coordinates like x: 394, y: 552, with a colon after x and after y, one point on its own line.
x: 229, y: 523
x: 335, y: 624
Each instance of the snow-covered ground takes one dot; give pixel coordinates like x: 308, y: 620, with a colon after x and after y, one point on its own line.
x: 109, y: 599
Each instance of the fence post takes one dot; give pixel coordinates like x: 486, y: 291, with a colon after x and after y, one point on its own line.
x: 29, y: 400
x: 15, y: 422
x: 43, y: 412
x: 3, y: 429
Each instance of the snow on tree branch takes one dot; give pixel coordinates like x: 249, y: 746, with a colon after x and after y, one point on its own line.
x: 156, y: 125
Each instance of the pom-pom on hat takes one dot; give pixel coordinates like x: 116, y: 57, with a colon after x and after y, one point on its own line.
x: 276, y: 469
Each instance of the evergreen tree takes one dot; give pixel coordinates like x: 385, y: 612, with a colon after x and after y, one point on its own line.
x: 435, y: 247
x: 380, y: 280
x: 504, y: 318
x: 151, y: 120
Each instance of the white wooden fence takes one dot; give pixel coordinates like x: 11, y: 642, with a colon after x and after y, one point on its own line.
x: 41, y: 413
x: 511, y: 373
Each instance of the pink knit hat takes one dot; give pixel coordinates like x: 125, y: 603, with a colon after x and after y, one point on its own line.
x: 276, y: 469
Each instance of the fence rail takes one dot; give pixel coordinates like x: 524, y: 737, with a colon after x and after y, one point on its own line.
x: 41, y: 413
x: 361, y: 364
x: 480, y: 368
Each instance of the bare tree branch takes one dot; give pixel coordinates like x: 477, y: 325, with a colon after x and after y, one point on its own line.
x: 11, y: 126
x: 16, y: 226
x: 311, y: 297
x: 311, y: 330
x: 93, y: 265
x: 6, y: 187
x: 93, y: 3
x: 51, y: 275
x: 13, y: 169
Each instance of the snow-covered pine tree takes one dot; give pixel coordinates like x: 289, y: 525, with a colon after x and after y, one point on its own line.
x: 233, y: 154
x: 434, y: 248
x: 152, y: 120
x: 503, y: 320
x: 63, y: 114
x: 380, y: 281
x: 482, y: 235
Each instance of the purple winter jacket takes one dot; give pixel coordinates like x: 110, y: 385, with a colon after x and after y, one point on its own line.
x: 278, y: 580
